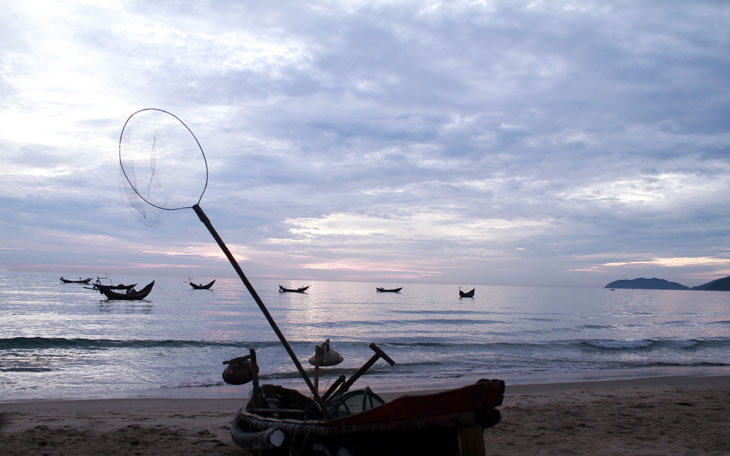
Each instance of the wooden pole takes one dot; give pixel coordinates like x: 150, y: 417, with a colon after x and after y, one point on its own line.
x: 341, y: 379
x: 203, y: 218
x: 317, y: 356
x: 378, y: 354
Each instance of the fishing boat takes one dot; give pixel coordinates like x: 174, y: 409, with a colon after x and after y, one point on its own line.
x: 284, y: 421
x: 388, y: 290
x: 340, y: 421
x: 129, y: 295
x: 292, y: 290
x: 100, y: 286
x: 75, y: 281
x: 466, y: 294
x: 120, y: 286
x: 197, y: 286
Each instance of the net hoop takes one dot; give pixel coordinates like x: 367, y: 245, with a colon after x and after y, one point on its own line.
x: 121, y: 161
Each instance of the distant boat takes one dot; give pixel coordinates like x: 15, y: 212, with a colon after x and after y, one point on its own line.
x: 292, y: 290
x: 76, y: 281
x: 388, y: 290
x: 121, y: 286
x: 202, y: 287
x: 466, y: 294
x: 130, y: 295
x: 98, y: 285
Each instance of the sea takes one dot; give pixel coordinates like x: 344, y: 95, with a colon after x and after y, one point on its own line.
x: 65, y: 341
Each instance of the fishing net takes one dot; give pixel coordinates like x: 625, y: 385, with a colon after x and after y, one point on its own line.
x: 162, y: 161
x: 354, y: 402
x: 165, y: 166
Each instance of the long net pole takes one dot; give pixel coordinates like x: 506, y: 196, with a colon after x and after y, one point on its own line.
x: 203, y: 218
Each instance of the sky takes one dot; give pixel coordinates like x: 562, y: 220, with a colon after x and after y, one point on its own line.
x: 536, y: 143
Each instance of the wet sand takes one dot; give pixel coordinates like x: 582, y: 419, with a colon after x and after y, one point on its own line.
x: 655, y: 416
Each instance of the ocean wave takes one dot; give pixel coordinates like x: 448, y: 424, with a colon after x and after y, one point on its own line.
x: 593, y: 344
x: 596, y: 327
x: 456, y: 346
x: 618, y: 344
x: 342, y: 324
x: 40, y: 343
x: 441, y: 312
x: 435, y: 322
x: 687, y: 364
x: 25, y: 369
x: 16, y: 345
x: 606, y: 344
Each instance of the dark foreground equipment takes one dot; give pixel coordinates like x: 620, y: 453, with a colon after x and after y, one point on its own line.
x: 282, y: 421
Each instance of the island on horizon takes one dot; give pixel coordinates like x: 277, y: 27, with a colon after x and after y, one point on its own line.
x: 662, y: 284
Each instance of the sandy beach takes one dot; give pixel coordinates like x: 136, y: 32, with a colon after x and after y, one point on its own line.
x: 654, y: 416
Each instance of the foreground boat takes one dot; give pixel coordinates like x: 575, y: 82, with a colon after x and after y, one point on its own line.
x: 129, y: 295
x: 197, y: 286
x: 284, y: 421
x: 388, y: 290
x: 352, y: 423
x: 293, y: 290
x: 466, y: 294
x: 75, y: 281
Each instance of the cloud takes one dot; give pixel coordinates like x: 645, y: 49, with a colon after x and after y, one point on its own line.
x: 542, y: 140
x: 673, y: 262
x: 432, y: 226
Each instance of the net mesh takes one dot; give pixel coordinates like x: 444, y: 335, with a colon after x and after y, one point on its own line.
x: 162, y: 160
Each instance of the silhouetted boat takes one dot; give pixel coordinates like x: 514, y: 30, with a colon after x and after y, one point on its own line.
x: 129, y: 295
x: 76, y: 281
x: 98, y: 285
x: 466, y: 294
x: 388, y: 290
x: 292, y: 290
x: 202, y: 287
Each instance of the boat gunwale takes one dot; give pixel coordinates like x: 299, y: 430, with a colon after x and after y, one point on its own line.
x: 483, y: 412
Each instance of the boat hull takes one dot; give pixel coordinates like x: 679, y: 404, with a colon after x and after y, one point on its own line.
x: 293, y: 290
x: 441, y: 423
x: 131, y: 296
x: 389, y: 290
x: 99, y: 286
x: 441, y: 441
x: 75, y: 281
x: 202, y: 287
x: 467, y: 294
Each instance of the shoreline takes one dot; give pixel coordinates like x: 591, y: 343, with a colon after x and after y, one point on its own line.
x: 656, y: 415
x: 224, y: 391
